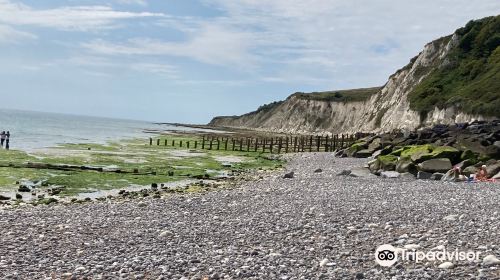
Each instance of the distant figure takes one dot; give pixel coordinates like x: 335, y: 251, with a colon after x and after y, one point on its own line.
x: 482, y: 174
x: 7, y: 140
x: 2, y: 137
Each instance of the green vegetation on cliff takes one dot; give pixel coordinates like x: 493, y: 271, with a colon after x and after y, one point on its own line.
x: 350, y: 95
x: 469, y: 77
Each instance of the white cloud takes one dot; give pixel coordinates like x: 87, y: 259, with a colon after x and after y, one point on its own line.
x: 11, y: 35
x: 136, y: 2
x: 212, y: 44
x: 167, y: 71
x: 322, y: 39
x: 81, y: 18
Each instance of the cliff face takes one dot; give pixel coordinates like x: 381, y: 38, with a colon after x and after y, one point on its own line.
x: 387, y: 109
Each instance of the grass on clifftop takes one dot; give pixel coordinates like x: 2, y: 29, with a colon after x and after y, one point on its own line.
x: 470, y: 77
x: 350, y: 95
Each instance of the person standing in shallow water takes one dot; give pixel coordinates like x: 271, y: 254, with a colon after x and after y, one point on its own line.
x: 2, y: 137
x: 7, y: 140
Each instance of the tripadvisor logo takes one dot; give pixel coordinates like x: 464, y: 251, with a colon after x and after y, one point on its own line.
x: 387, y: 255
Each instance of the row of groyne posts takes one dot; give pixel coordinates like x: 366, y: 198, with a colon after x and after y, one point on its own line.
x: 287, y: 144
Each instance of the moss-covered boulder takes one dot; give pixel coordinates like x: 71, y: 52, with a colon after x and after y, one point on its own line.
x: 446, y: 152
x: 417, y: 153
x: 356, y: 147
x: 388, y: 162
x: 469, y: 155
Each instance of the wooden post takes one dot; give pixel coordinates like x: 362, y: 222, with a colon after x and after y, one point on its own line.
x: 264, y: 145
x: 256, y: 144
x: 241, y: 144
x: 310, y: 143
x: 295, y: 144
x: 318, y: 138
x: 218, y: 144
x: 271, y: 145
x: 280, y: 145
x: 173, y: 143
x: 232, y: 140
x: 326, y: 144
x: 165, y: 142
x: 248, y: 144
x: 150, y: 141
x: 211, y: 143
x: 286, y: 145
x: 203, y: 143
x: 335, y: 138
x: 195, y: 144
x: 181, y: 144
x: 342, y: 142
x: 157, y: 142
x: 225, y: 144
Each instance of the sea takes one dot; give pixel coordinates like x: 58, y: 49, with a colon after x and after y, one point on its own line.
x: 35, y: 130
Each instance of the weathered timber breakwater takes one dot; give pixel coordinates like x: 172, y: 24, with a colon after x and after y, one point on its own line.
x: 315, y: 225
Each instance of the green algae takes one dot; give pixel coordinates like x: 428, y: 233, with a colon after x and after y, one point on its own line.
x: 138, y: 162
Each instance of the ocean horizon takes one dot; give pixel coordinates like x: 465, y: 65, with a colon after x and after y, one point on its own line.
x: 35, y: 130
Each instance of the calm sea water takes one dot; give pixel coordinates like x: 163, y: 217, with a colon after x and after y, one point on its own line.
x: 32, y: 130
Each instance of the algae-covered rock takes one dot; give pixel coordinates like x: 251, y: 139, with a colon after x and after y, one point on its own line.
x: 416, y: 153
x: 468, y: 155
x: 446, y: 152
x: 397, y: 151
x: 388, y: 162
x: 354, y: 148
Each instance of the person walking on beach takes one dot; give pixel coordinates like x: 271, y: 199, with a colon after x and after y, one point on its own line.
x: 2, y: 137
x: 7, y: 140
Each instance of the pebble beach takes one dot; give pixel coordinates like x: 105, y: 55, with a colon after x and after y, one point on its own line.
x: 315, y: 225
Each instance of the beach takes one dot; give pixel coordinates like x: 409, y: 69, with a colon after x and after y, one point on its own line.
x: 316, y: 225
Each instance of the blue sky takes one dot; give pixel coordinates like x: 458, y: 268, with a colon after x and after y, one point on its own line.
x: 190, y: 60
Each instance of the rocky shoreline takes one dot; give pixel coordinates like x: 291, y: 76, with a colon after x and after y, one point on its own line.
x: 430, y: 152
x: 314, y: 225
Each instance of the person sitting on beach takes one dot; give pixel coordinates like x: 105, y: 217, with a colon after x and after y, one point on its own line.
x: 482, y: 174
x: 2, y: 137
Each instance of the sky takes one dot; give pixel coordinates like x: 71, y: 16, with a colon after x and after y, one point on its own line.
x: 190, y: 60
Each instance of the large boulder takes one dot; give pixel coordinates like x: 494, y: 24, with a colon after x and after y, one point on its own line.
x: 469, y: 170
x: 363, y: 153
x: 354, y: 148
x: 360, y: 172
x: 476, y: 144
x: 390, y: 174
x: 424, y: 175
x: 493, y: 169
x: 374, y: 145
x: 435, y: 165
x: 387, y: 162
x: 405, y: 165
x: 446, y: 152
x: 415, y: 153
